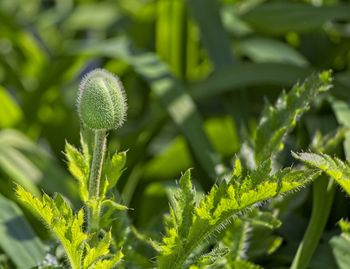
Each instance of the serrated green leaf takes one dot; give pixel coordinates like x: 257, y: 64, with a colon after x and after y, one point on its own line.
x: 181, y: 213
x: 110, y: 263
x: 184, y: 204
x: 276, y: 121
x: 94, y: 254
x: 334, y: 167
x: 114, y: 205
x: 237, y: 169
x: 260, y: 218
x: 112, y: 170
x: 66, y: 226
x: 79, y: 167
x: 214, y: 255
x: 236, y: 238
x: 109, y: 207
x: 223, y: 203
x: 344, y: 226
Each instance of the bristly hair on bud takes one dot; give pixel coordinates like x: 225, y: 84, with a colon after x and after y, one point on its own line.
x: 101, y: 101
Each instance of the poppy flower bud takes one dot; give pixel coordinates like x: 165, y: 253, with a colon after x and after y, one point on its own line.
x: 101, y: 101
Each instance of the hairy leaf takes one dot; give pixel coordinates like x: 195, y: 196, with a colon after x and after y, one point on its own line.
x: 94, y: 257
x: 214, y: 255
x: 79, y: 167
x: 112, y: 169
x: 109, y: 263
x: 260, y: 218
x: 236, y: 238
x: 278, y: 120
x: 109, y: 208
x: 181, y: 214
x: 234, y: 197
x: 334, y: 167
x: 58, y: 216
x: 68, y: 227
x: 223, y: 203
x: 345, y: 227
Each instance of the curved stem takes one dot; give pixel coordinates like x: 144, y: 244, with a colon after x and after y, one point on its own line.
x: 323, y: 194
x: 95, y: 176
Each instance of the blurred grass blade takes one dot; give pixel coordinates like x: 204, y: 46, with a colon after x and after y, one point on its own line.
x: 94, y: 16
x: 17, y: 238
x: 261, y: 49
x: 163, y: 29
x: 177, y: 55
x: 19, y: 168
x: 247, y: 75
x: 170, y: 34
x: 169, y: 90
x: 10, y: 113
x: 342, y: 113
x: 281, y: 17
x: 26, y: 163
x: 214, y: 37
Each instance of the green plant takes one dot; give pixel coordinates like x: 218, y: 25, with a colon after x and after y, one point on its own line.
x: 196, y: 73
x: 323, y: 195
x: 101, y: 106
x: 242, y: 188
x: 195, y: 223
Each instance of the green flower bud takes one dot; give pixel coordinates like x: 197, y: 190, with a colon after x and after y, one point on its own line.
x: 101, y: 101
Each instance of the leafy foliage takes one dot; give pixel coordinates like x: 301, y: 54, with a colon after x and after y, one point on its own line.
x: 223, y: 203
x: 79, y: 166
x: 344, y: 226
x: 68, y: 227
x: 191, y: 224
x: 334, y: 167
x: 340, y: 244
x: 196, y: 73
x: 276, y: 121
x: 80, y: 246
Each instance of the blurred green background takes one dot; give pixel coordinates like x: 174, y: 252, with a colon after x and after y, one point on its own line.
x: 196, y: 72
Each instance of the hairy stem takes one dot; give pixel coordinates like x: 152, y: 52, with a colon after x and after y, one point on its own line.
x: 95, y: 176
x: 323, y: 194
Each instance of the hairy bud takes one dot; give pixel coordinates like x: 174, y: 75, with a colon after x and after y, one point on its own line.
x: 101, y: 101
